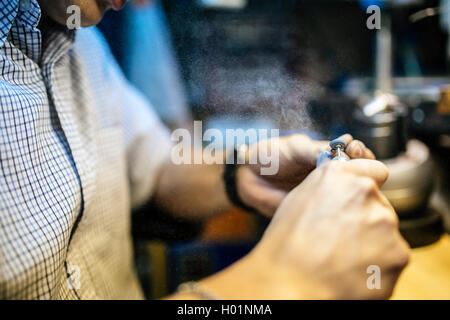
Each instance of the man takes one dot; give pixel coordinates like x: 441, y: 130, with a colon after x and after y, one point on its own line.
x: 79, y: 148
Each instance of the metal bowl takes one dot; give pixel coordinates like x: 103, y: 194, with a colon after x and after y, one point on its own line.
x: 410, y: 181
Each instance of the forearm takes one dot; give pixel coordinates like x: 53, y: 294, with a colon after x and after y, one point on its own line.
x: 246, y: 280
x: 229, y: 284
x: 192, y: 191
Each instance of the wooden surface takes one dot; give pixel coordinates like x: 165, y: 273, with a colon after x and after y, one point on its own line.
x: 428, y: 274
x: 234, y: 225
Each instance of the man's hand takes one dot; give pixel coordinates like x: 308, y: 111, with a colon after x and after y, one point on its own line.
x: 297, y: 158
x: 322, y: 239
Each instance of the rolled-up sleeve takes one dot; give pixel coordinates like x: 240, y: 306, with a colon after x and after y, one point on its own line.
x: 147, y: 143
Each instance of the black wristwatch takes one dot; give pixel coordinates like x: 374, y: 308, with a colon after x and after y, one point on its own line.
x: 230, y: 180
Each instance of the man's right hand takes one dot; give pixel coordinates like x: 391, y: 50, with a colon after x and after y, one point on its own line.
x: 322, y: 239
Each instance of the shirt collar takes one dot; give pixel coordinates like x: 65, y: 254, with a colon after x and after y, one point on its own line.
x: 17, y: 16
x: 27, y: 11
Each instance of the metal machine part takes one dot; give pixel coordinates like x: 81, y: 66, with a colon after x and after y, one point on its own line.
x: 423, y: 230
x: 408, y: 189
x: 383, y: 61
x: 410, y: 181
x: 380, y: 103
x: 383, y: 132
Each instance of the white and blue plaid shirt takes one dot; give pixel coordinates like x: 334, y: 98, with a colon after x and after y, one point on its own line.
x: 79, y: 148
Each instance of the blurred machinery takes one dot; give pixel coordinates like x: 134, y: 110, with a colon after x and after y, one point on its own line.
x: 382, y: 124
x: 411, y: 181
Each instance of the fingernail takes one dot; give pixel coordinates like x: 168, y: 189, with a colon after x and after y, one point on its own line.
x: 358, y: 151
x: 355, y: 149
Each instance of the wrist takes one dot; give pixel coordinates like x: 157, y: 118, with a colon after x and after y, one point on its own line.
x: 232, y: 177
x: 251, y: 278
x: 245, y: 182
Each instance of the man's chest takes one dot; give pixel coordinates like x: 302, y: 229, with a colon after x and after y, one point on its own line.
x: 62, y: 174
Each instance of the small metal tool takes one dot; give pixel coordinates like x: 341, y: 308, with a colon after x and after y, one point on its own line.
x: 337, y: 152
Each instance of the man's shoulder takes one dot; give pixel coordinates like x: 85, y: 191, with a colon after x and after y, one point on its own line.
x: 90, y: 38
x: 94, y: 52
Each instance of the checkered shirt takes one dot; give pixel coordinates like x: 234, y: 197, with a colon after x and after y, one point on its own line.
x: 79, y: 148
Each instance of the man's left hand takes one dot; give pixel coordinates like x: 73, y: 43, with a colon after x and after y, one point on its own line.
x: 297, y: 158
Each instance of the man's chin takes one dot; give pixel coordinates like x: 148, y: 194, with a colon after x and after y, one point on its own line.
x: 90, y: 13
x: 94, y: 15
x: 92, y: 18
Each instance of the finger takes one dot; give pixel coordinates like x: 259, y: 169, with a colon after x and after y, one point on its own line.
x: 319, y: 147
x: 348, y: 138
x: 305, y: 151
x: 356, y: 149
x: 259, y: 194
x: 322, y: 145
x: 271, y: 200
x: 266, y: 199
x: 370, y: 168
